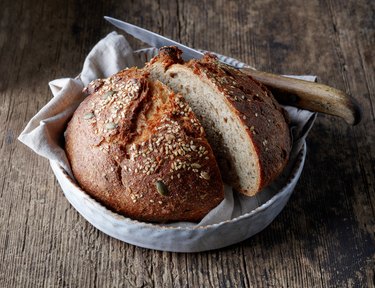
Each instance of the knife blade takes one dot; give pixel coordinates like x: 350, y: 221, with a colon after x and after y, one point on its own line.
x: 154, y: 39
x: 299, y: 93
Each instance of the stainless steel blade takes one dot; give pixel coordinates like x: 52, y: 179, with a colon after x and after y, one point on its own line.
x: 154, y: 39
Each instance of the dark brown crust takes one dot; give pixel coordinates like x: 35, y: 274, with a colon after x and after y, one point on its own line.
x: 118, y: 155
x: 264, y: 119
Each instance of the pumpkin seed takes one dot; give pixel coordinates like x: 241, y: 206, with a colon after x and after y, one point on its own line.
x: 88, y: 116
x: 110, y: 126
x: 107, y: 95
x: 162, y: 188
x: 196, y: 165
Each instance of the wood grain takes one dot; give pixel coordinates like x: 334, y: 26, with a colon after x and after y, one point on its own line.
x: 325, y: 235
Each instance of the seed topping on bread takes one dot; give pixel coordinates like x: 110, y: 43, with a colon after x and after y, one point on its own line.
x: 148, y: 155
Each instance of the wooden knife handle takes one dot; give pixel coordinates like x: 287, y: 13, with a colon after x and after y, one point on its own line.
x: 309, y: 95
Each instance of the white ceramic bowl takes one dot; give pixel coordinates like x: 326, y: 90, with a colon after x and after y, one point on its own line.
x: 182, y: 239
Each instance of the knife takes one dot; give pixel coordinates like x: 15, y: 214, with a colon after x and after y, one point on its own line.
x: 288, y: 91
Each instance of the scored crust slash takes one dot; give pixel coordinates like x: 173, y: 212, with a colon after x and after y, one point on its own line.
x: 155, y: 143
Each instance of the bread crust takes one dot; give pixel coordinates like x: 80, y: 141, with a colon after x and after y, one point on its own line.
x: 138, y: 148
x: 257, y: 109
x: 264, y: 119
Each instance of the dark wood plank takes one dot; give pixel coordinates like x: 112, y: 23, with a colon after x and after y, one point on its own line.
x: 325, y: 235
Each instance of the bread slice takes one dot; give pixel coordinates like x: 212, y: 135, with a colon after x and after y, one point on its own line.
x: 137, y: 147
x: 245, y: 125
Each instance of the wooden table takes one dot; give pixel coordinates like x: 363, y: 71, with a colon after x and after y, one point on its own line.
x: 325, y: 235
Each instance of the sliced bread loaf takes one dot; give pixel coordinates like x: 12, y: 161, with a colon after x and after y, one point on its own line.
x: 137, y: 147
x: 246, y: 127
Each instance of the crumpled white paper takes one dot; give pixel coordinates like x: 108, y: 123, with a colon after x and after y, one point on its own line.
x: 44, y: 133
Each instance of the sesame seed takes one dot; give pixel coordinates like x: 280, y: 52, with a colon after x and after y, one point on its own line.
x: 205, y: 175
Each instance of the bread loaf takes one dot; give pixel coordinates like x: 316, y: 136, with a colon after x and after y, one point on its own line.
x: 137, y: 147
x: 138, y: 143
x: 246, y: 127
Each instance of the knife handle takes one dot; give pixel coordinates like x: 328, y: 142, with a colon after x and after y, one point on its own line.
x: 309, y: 95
